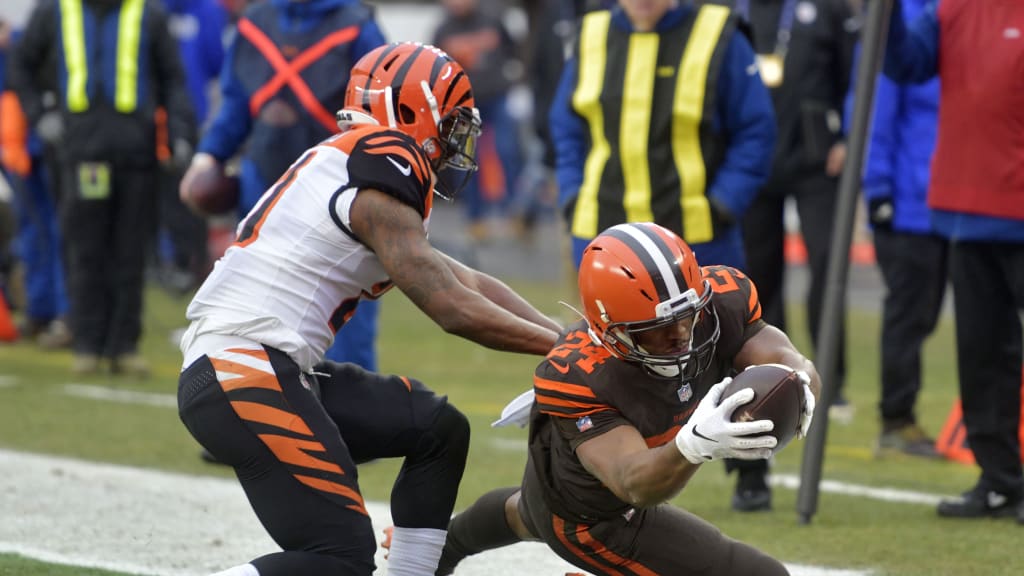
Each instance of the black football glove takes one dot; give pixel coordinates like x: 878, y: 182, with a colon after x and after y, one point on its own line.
x: 880, y: 212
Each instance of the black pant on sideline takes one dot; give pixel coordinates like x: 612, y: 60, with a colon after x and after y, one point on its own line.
x: 914, y: 267
x: 764, y: 235
x: 107, y: 240
x: 764, y: 241
x: 988, y: 291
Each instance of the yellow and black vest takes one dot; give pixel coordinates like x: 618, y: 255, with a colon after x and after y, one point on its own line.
x: 100, y: 55
x: 648, y: 99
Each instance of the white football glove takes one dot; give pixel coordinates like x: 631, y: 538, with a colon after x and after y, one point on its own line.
x: 710, y: 434
x: 808, y: 409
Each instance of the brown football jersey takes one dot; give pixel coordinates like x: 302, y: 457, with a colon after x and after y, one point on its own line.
x: 582, y: 391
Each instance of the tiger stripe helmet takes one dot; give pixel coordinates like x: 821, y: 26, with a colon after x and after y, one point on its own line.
x: 639, y: 277
x: 421, y: 91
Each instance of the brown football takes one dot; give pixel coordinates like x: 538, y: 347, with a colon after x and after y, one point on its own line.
x: 778, y: 396
x: 212, y: 192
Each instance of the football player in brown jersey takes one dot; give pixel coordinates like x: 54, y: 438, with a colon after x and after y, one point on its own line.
x: 346, y: 222
x: 628, y: 406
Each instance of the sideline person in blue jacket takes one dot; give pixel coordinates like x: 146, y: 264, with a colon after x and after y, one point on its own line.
x: 685, y: 142
x: 911, y: 256
x: 200, y: 27
x: 284, y: 77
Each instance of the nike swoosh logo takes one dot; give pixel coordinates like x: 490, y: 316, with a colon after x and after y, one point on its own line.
x: 699, y: 435
x: 560, y: 367
x: 404, y: 169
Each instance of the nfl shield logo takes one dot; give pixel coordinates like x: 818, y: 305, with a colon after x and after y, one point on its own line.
x: 584, y: 424
x: 684, y: 393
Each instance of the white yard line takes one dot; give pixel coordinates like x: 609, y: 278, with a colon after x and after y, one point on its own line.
x: 121, y: 396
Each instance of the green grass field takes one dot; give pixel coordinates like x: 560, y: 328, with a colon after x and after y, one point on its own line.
x: 890, y: 538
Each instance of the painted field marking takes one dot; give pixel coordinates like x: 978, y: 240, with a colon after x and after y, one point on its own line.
x: 93, y: 392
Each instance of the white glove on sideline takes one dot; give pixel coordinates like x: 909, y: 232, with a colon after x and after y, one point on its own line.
x: 808, y: 409
x: 711, y: 435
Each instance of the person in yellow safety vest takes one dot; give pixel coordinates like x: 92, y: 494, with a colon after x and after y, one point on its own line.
x: 111, y: 63
x: 661, y: 116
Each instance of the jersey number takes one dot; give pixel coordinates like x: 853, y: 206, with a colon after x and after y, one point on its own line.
x: 590, y: 355
x: 723, y: 279
x: 253, y: 222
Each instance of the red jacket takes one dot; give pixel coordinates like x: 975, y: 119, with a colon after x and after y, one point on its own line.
x: 978, y: 167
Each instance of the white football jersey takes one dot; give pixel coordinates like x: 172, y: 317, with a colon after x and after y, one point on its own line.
x: 296, y: 271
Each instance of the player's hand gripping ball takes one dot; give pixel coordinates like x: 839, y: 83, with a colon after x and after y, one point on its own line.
x: 778, y: 396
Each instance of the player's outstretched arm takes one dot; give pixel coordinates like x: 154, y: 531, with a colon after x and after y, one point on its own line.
x: 394, y: 231
x: 498, y: 292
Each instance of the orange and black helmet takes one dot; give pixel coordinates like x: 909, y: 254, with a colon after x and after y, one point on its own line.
x: 421, y: 91
x: 639, y: 277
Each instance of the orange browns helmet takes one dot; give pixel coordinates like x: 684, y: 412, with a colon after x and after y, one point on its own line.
x: 421, y: 91
x: 639, y: 277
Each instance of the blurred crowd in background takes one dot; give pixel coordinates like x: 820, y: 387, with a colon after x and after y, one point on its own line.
x: 511, y: 193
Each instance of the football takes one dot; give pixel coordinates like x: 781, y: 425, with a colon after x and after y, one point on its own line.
x: 209, y: 191
x: 778, y: 396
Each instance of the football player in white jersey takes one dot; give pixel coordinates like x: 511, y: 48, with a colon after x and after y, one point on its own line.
x: 347, y: 221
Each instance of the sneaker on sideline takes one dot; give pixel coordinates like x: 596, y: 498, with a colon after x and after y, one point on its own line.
x: 908, y: 439
x: 980, y: 502
x: 130, y: 364
x: 85, y: 364
x: 841, y: 411
x: 752, y: 492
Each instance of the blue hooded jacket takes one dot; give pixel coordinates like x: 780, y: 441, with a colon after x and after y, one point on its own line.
x: 743, y: 112
x: 199, y: 27
x: 233, y: 121
x: 901, y: 143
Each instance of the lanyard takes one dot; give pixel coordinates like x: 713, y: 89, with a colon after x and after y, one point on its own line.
x: 785, y: 23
